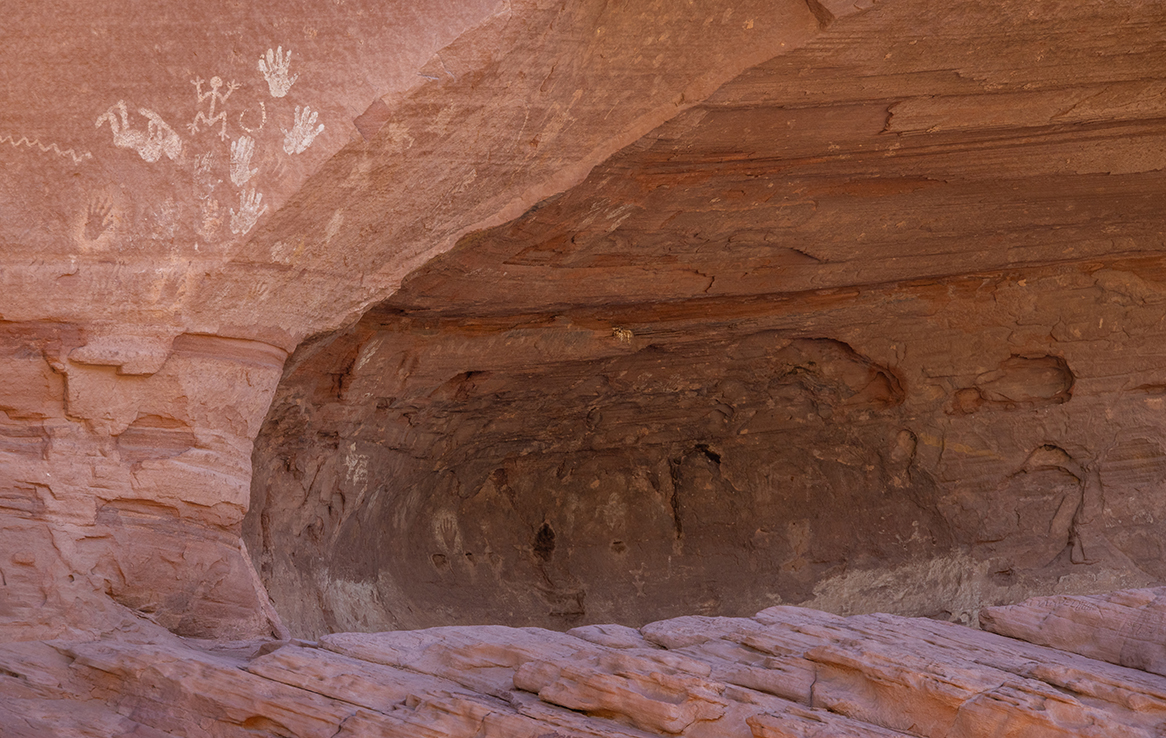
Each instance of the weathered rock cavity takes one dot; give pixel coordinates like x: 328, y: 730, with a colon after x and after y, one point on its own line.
x: 551, y: 473
x: 630, y: 464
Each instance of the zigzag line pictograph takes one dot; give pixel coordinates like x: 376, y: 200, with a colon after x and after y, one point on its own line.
x: 24, y: 141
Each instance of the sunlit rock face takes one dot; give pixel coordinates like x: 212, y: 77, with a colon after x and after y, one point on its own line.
x: 141, y: 148
x: 878, y: 326
x: 859, y: 301
x: 783, y: 672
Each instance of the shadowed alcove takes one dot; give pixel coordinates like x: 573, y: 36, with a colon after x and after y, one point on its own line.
x: 826, y: 338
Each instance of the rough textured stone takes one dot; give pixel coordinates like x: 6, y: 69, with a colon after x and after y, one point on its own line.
x: 1124, y: 627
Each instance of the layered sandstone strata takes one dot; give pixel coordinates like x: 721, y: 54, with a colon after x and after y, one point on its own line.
x: 784, y: 673
x: 570, y: 313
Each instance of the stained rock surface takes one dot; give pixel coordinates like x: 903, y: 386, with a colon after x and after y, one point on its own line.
x: 786, y: 672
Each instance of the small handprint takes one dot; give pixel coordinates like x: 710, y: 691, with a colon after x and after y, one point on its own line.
x: 249, y: 211
x: 301, y: 135
x: 241, y: 152
x: 275, y: 72
x: 98, y: 218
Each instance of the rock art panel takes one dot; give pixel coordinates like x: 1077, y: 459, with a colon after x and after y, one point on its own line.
x: 275, y: 71
x: 158, y: 138
x: 24, y: 141
x: 305, y: 130
x: 952, y: 249
x: 124, y: 203
x: 970, y: 396
x: 729, y: 353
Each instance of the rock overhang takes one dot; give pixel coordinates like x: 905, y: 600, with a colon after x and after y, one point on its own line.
x: 978, y: 240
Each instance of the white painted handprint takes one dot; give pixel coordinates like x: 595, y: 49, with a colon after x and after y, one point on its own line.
x: 249, y: 211
x: 241, y: 151
x: 275, y: 69
x: 301, y: 135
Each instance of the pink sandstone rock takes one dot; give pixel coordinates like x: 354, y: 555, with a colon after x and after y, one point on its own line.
x: 875, y: 326
x: 879, y: 675
x: 200, y: 202
x: 1124, y: 627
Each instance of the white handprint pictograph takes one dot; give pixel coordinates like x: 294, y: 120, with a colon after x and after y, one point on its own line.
x: 249, y: 211
x: 275, y: 69
x: 301, y: 135
x: 241, y: 151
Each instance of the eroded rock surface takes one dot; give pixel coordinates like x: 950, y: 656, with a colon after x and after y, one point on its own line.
x: 784, y: 673
x: 838, y: 303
